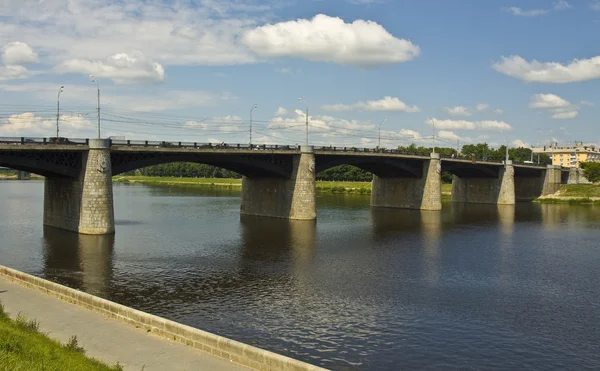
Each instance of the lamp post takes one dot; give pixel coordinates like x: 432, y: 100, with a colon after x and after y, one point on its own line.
x: 98, y: 85
x: 300, y: 99
x: 58, y: 108
x: 433, y: 134
x: 379, y: 133
x: 251, y: 109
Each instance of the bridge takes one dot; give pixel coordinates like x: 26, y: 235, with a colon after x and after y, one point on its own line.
x: 277, y: 181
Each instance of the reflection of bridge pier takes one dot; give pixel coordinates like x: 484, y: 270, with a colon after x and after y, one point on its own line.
x: 84, y: 262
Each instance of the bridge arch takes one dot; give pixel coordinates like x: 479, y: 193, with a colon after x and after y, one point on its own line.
x: 278, y: 166
x: 382, y: 167
x: 46, y: 163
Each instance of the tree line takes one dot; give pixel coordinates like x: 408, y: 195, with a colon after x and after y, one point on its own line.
x: 480, y: 151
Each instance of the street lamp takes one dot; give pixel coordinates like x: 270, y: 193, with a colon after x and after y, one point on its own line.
x: 58, y: 108
x: 251, y: 109
x: 98, y: 85
x: 300, y: 99
x: 379, y: 133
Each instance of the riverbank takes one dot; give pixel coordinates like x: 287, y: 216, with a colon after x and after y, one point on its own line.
x: 137, y: 340
x: 573, y: 194
x: 322, y: 186
x: 23, y: 347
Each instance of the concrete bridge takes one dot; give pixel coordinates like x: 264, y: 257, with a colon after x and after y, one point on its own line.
x: 278, y: 181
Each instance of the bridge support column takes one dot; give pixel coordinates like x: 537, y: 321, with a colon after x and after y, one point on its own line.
x: 552, y: 180
x: 500, y: 190
x: 573, y: 176
x: 293, y: 198
x: 424, y: 193
x: 83, y: 204
x: 20, y: 175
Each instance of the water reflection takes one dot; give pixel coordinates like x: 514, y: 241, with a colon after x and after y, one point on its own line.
x: 80, y: 261
x: 506, y: 219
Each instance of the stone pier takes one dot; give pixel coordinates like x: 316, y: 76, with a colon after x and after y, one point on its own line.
x: 486, y: 190
x: 293, y: 198
x: 20, y: 175
x: 552, y: 180
x: 83, y: 204
x: 424, y: 193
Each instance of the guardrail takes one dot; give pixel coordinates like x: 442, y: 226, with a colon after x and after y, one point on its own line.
x: 170, y: 144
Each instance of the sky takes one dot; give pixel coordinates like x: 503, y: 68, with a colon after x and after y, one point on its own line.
x: 522, y: 72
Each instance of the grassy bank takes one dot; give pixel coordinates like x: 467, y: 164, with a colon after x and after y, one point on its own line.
x: 573, y: 194
x: 23, y: 347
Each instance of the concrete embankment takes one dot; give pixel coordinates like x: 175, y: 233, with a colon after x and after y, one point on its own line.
x: 100, y: 326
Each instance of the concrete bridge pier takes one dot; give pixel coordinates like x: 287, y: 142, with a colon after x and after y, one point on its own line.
x: 293, y: 198
x: 83, y: 204
x: 498, y: 190
x: 20, y: 175
x: 552, y: 180
x: 424, y: 193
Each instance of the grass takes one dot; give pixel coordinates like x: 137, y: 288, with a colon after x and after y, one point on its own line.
x: 23, y: 347
x: 579, y: 190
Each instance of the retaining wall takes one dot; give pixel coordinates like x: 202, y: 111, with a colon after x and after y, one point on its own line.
x: 235, y: 351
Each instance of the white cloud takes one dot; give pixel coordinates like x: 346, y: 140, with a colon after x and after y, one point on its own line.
x: 17, y: 53
x: 499, y: 111
x: 487, y: 125
x: 445, y: 134
x: 547, y: 101
x: 385, y: 104
x: 181, y: 33
x: 281, y: 111
x: 559, y: 5
x: 121, y: 68
x: 560, y: 108
x: 565, y: 115
x: 329, y: 39
x: 595, y: 5
x: 518, y: 143
x: 29, y: 124
x: 14, y: 72
x: 587, y: 103
x: 482, y: 107
x: 549, y: 72
x: 457, y: 111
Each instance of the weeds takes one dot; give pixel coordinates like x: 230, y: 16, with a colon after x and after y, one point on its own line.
x: 72, y: 345
x: 25, y: 324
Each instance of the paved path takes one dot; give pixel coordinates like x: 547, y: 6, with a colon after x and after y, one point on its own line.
x: 103, y: 338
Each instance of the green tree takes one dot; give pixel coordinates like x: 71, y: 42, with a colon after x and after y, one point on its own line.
x: 591, y: 170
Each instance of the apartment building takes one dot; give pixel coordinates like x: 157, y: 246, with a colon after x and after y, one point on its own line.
x: 570, y: 155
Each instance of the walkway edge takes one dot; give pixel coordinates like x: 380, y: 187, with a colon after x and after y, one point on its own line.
x: 235, y: 351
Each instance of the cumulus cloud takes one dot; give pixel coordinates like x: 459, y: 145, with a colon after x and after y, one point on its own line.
x: 549, y: 72
x: 281, y: 111
x: 486, y: 125
x: 457, y: 111
x: 547, y: 101
x: 14, y: 72
x: 330, y: 39
x: 482, y: 107
x: 445, y: 134
x: 385, y: 104
x: 559, y: 5
x: 587, y: 103
x: 559, y: 108
x: 17, y: 53
x: 518, y: 143
x: 122, y: 68
x: 498, y: 111
x: 29, y: 124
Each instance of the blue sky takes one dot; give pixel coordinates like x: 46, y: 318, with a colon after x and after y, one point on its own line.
x: 523, y: 72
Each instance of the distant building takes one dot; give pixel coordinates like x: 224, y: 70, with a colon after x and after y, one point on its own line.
x: 570, y: 156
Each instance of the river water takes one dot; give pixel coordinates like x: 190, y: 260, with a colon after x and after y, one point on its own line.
x: 470, y: 287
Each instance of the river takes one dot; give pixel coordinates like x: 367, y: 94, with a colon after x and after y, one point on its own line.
x: 470, y: 287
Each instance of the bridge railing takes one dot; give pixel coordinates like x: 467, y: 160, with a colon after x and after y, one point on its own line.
x: 169, y: 144
x: 51, y: 140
